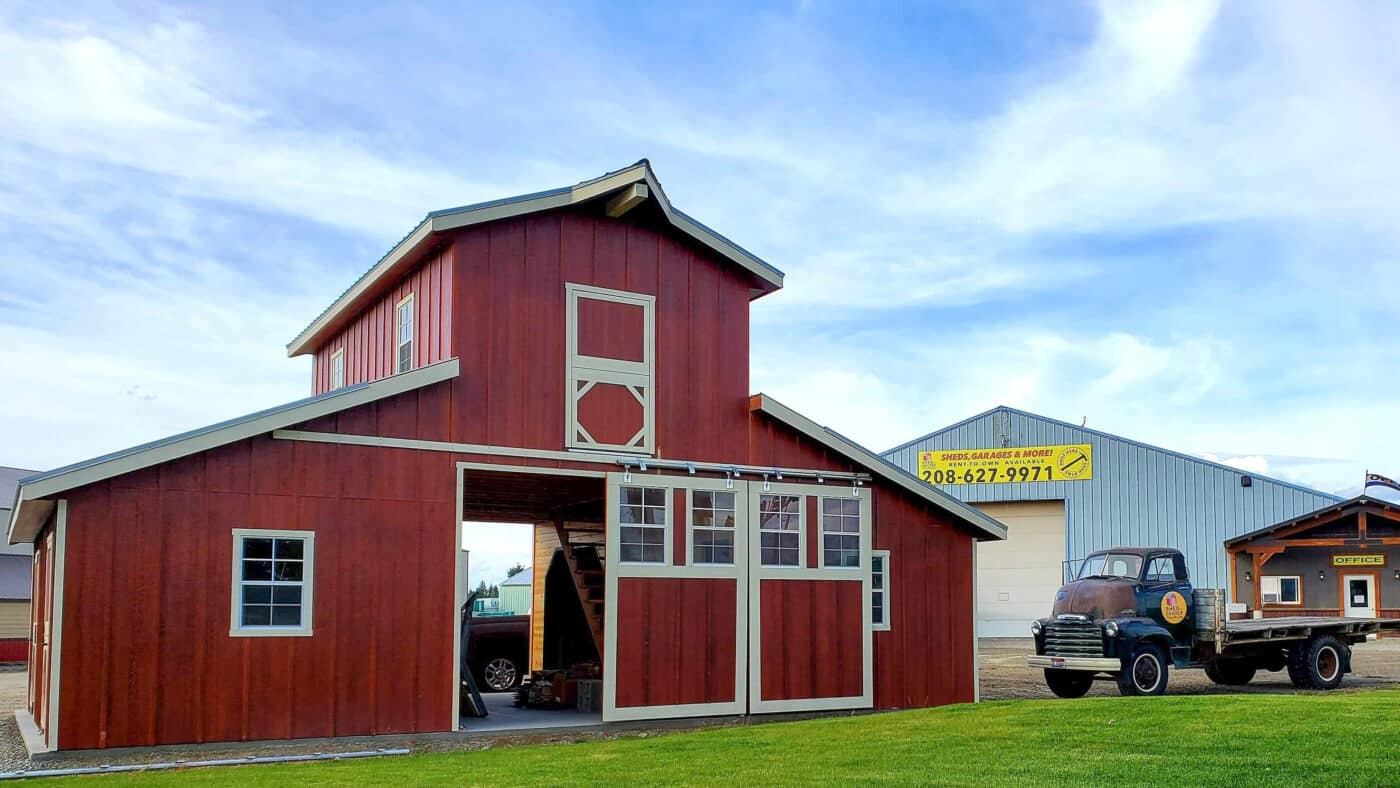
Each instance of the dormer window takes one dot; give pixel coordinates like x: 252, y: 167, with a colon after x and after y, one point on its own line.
x: 403, y: 335
x: 338, y: 369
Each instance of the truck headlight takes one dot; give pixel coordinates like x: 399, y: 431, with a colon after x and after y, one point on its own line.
x: 1111, y: 629
x: 1035, y: 628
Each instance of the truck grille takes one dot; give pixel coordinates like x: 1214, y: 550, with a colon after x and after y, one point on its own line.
x: 1069, y: 637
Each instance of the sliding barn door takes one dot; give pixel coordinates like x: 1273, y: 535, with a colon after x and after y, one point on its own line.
x: 675, y: 629
x: 809, y: 598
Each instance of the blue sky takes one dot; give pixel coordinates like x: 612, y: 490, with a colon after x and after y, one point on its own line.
x: 1176, y: 221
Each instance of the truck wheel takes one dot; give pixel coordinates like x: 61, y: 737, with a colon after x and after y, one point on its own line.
x: 1144, y: 672
x: 500, y: 674
x: 1318, y: 663
x: 1230, y: 672
x: 1068, y: 683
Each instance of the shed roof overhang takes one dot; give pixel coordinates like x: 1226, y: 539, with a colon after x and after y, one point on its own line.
x: 624, y: 188
x: 984, y: 527
x: 33, y: 498
x: 1361, y: 503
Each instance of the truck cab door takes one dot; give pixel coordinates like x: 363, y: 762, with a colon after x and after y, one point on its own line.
x: 1165, y: 596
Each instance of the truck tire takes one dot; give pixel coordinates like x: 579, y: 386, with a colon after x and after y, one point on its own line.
x: 1318, y: 663
x: 1144, y: 672
x: 1230, y: 672
x: 1068, y: 683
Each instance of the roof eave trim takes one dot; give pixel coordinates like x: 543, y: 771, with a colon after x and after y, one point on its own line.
x: 561, y: 198
x: 885, y: 469
x: 26, y: 519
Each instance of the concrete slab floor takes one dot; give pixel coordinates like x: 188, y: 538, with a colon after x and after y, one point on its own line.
x: 503, y: 715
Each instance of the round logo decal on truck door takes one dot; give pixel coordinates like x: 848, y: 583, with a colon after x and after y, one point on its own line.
x: 1174, y: 607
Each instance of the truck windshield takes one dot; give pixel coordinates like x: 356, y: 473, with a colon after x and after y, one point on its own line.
x: 1111, y: 565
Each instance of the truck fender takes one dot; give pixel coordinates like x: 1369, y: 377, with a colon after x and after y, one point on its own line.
x: 1134, y: 631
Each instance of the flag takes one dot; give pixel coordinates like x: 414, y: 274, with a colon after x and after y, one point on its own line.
x: 1377, y: 480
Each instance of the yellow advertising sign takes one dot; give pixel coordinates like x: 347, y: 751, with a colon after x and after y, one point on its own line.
x: 1174, y: 607
x: 1071, y: 462
x: 1359, y: 560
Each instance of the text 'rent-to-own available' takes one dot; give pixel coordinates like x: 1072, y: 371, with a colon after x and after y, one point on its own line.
x: 1071, y: 462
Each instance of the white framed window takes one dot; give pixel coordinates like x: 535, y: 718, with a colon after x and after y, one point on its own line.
x: 272, y: 583
x: 338, y: 369
x: 879, y: 589
x: 1281, y: 589
x: 643, y: 525
x: 780, y: 530
x: 403, y: 335
x: 840, y: 533
x: 713, y: 514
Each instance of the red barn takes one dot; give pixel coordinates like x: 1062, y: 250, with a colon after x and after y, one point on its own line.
x: 575, y: 359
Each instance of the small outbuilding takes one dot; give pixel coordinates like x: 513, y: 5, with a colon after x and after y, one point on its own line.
x: 16, y: 579
x: 1340, y: 560
x: 575, y: 360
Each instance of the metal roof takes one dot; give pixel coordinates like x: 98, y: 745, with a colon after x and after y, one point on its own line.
x: 1358, y: 503
x: 9, y: 482
x: 15, y: 575
x: 517, y: 579
x: 1108, y: 436
x: 831, y: 439
x: 492, y: 210
x: 26, y: 520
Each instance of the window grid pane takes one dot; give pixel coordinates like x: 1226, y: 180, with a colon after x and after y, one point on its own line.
x: 712, y: 521
x: 779, y: 530
x: 271, y: 582
x: 642, y: 515
x: 841, y: 532
x: 404, y: 340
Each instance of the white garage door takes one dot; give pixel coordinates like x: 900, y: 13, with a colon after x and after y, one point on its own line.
x: 1017, y: 578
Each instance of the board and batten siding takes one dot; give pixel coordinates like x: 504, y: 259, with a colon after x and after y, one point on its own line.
x: 368, y: 340
x: 1140, y: 495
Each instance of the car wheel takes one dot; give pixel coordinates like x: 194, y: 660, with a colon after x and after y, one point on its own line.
x: 500, y: 674
x: 1144, y: 672
x: 1068, y: 683
x: 1319, y: 663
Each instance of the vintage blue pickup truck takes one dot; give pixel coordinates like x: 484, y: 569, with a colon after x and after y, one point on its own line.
x: 1131, y: 615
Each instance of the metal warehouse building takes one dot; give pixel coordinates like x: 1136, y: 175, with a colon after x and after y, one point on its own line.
x: 1084, y: 490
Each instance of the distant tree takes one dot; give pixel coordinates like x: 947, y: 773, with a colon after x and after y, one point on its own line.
x: 482, y: 591
x: 515, y: 570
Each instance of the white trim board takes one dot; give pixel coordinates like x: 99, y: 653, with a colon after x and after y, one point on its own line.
x: 28, y: 518
x: 55, y: 662
x: 442, y: 221
x: 987, y: 527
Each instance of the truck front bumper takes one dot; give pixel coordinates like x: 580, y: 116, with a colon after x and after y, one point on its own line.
x: 1095, y: 664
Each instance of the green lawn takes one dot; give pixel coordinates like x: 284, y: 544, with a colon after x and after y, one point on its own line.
x: 1334, y: 738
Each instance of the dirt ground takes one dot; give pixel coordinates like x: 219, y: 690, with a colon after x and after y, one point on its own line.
x: 1004, y: 674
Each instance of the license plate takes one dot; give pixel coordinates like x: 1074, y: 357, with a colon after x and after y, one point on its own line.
x: 1057, y: 662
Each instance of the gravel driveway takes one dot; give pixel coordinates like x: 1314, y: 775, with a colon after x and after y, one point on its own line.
x: 1004, y: 674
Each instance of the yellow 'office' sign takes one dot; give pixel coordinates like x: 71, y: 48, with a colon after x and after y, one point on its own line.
x: 1071, y: 462
x: 1375, y: 559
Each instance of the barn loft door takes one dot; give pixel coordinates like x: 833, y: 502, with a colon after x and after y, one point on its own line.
x: 809, y: 598
x: 611, y: 375
x: 675, y: 635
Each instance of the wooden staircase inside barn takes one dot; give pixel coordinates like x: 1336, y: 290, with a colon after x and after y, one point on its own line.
x: 582, y: 545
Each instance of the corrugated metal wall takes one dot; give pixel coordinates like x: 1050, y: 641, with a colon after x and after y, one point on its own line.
x: 1140, y: 495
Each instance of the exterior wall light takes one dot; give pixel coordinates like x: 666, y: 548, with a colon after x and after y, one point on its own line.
x: 1248, y: 576
x: 1321, y: 575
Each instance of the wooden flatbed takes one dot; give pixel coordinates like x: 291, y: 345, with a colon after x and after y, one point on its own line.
x: 1252, y: 631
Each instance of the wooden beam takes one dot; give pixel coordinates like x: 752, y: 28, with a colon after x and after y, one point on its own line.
x: 627, y: 199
